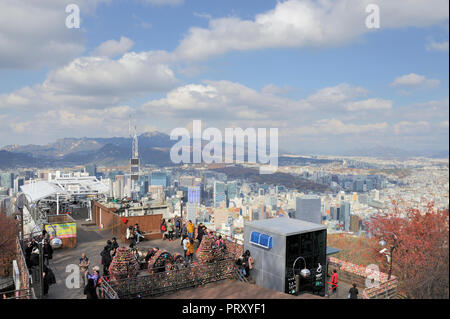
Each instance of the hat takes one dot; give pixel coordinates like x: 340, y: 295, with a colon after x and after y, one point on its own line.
x: 96, y: 268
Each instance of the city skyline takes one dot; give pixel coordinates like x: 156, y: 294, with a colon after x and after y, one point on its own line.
x: 312, y: 69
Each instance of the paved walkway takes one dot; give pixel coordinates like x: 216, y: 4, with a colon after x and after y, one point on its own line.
x: 91, y: 240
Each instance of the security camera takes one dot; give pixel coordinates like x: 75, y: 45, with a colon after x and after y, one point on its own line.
x: 383, y: 250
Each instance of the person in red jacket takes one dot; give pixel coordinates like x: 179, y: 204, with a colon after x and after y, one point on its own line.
x: 334, y: 281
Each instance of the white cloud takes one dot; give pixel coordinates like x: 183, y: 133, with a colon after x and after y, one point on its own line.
x: 336, y: 94
x: 300, y: 23
x: 113, y: 48
x: 370, y: 104
x: 223, y: 99
x: 337, y: 127
x: 412, y: 79
x: 34, y: 34
x: 94, y: 82
x: 57, y: 122
x: 407, y: 128
x: 437, y: 46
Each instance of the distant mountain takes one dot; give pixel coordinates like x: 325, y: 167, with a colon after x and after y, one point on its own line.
x: 154, y: 148
x: 385, y: 152
x: 13, y: 160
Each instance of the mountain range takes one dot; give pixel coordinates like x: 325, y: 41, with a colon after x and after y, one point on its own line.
x: 154, y: 148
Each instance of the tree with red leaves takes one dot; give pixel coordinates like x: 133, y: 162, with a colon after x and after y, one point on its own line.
x: 421, y: 257
x: 7, y: 243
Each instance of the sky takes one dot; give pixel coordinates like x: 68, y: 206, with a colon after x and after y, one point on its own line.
x: 312, y: 69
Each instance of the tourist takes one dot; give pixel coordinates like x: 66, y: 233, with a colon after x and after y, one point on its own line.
x: 190, y: 230
x: 150, y: 253
x: 84, y: 267
x: 220, y: 243
x: 48, y: 278
x: 170, y: 230
x: 45, y: 235
x: 34, y: 259
x: 334, y: 281
x: 183, y: 232
x: 114, y: 244
x: 177, y: 227
x: 163, y: 227
x: 248, y: 263
x: 106, y: 257
x: 28, y: 251
x: 185, y: 245
x: 90, y: 290
x: 240, y: 263
x: 48, y: 252
x: 200, y: 233
x: 131, y: 236
x: 95, y: 275
x: 137, y: 233
x: 190, y: 250
x: 353, y: 292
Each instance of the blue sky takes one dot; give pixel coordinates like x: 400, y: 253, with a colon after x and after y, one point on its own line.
x: 310, y: 68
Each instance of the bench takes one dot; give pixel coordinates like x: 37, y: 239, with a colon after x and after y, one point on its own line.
x: 151, y: 234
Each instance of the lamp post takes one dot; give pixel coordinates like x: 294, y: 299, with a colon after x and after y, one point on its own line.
x: 382, y: 242
x: 305, y: 273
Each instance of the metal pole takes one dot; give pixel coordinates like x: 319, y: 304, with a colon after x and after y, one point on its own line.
x: 41, y: 270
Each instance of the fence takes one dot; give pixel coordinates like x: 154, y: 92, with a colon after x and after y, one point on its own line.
x: 381, y: 287
x: 168, y: 281
x: 26, y: 290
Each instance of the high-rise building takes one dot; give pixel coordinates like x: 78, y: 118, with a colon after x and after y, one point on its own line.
x: 19, y: 181
x: 219, y: 193
x: 375, y: 194
x: 355, y: 223
x: 345, y: 215
x: 7, y: 180
x: 194, y: 194
x: 333, y: 213
x: 158, y: 179
x: 91, y: 169
x: 187, y: 181
x: 308, y: 208
x: 232, y: 190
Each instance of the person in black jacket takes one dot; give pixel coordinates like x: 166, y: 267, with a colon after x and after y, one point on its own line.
x: 106, y: 258
x: 200, y: 233
x: 114, y: 243
x: 90, y: 290
x: 48, y: 278
x: 28, y: 251
x: 48, y: 252
x: 353, y: 292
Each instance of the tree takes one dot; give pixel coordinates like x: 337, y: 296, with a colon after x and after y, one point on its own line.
x: 421, y: 258
x: 7, y: 243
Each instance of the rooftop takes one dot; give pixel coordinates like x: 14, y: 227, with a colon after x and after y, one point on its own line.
x: 285, y: 226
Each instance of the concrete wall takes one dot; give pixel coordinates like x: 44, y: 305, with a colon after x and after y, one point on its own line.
x: 268, y: 270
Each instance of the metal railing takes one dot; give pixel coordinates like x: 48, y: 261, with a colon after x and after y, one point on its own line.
x: 169, y: 281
